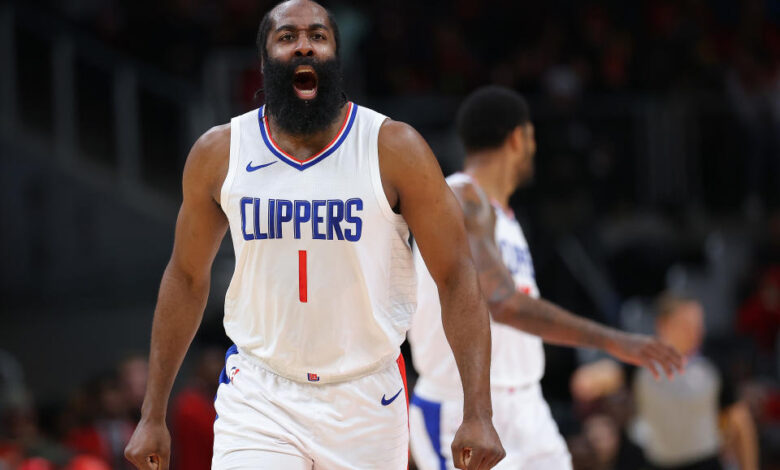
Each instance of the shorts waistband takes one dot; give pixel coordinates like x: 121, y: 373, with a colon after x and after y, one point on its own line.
x: 525, y: 391
x: 430, y: 390
x: 313, y: 378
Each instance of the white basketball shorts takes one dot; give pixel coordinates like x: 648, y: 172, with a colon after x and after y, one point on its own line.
x: 265, y: 421
x: 521, y: 417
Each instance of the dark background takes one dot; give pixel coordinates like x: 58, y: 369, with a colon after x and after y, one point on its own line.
x: 658, y: 166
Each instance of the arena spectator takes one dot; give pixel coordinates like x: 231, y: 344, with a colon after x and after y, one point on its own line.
x: 679, y: 419
x: 192, y: 414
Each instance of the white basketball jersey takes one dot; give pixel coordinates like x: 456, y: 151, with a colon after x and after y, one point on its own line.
x: 517, y: 357
x: 324, y: 286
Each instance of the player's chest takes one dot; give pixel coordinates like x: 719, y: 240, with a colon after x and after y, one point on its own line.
x: 514, y: 248
x: 272, y: 201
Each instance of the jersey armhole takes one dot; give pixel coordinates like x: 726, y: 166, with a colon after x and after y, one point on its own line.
x: 235, y: 145
x: 376, y: 175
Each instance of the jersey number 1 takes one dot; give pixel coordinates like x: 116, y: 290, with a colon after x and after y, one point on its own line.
x: 302, y: 291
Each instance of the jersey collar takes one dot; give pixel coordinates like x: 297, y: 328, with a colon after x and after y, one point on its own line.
x: 301, y: 165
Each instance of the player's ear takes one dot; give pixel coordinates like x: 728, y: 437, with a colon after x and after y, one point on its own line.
x: 516, y: 138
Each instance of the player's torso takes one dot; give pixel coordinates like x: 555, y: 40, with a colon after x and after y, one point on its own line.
x: 323, y: 285
x: 517, y: 357
x: 514, y: 251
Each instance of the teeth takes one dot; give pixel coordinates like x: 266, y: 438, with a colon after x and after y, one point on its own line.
x: 307, y: 93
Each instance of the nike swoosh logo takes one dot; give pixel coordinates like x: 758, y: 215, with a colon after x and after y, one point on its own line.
x: 249, y: 166
x: 386, y: 401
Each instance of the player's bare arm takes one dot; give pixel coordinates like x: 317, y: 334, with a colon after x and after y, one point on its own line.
x: 414, y: 183
x: 553, y: 324
x: 184, y: 289
x: 740, y: 430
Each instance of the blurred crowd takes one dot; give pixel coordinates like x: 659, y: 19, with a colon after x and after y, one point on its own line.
x: 90, y: 428
x: 726, y: 407
x: 573, y: 58
x: 718, y: 414
x: 452, y: 46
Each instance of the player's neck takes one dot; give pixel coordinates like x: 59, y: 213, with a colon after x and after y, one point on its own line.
x: 491, y: 175
x: 305, y: 145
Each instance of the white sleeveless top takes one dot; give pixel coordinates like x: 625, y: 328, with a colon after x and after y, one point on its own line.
x: 324, y: 286
x: 517, y: 357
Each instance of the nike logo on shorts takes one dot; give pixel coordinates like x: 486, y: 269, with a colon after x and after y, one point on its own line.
x: 386, y: 401
x: 250, y: 168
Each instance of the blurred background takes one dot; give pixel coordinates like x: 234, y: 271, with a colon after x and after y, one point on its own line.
x: 658, y: 168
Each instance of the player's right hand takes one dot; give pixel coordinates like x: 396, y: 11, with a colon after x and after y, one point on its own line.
x: 476, y: 445
x: 150, y: 446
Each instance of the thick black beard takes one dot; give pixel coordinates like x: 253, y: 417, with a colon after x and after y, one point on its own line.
x: 292, y: 114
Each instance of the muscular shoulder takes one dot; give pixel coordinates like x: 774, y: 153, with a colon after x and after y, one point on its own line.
x: 477, y: 211
x: 402, y: 148
x: 399, y: 138
x: 405, y: 161
x: 207, y: 163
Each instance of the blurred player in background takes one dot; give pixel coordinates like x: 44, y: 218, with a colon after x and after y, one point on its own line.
x: 319, y: 195
x: 495, y: 127
x: 681, y: 420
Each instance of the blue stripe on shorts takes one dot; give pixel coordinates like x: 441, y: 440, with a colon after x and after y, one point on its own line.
x: 223, y: 377
x: 432, y: 415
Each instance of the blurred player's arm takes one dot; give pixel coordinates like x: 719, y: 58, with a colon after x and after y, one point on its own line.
x: 552, y: 323
x: 413, y: 182
x: 741, y: 437
x: 184, y: 289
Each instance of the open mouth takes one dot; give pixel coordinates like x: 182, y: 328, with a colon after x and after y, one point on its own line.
x: 305, y: 82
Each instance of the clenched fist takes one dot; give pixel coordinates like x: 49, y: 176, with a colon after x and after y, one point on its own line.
x: 150, y: 446
x: 476, y: 445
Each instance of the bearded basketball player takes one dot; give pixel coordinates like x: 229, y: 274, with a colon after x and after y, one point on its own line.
x: 319, y: 195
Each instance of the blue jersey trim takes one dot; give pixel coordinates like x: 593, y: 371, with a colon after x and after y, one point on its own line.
x: 432, y: 416
x: 304, y: 165
x: 223, y: 377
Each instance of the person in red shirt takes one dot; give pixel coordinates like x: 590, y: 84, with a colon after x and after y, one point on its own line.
x: 193, y: 414
x: 759, y: 316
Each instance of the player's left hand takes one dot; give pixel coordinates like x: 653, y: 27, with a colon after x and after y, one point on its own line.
x: 476, y: 445
x: 649, y: 352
